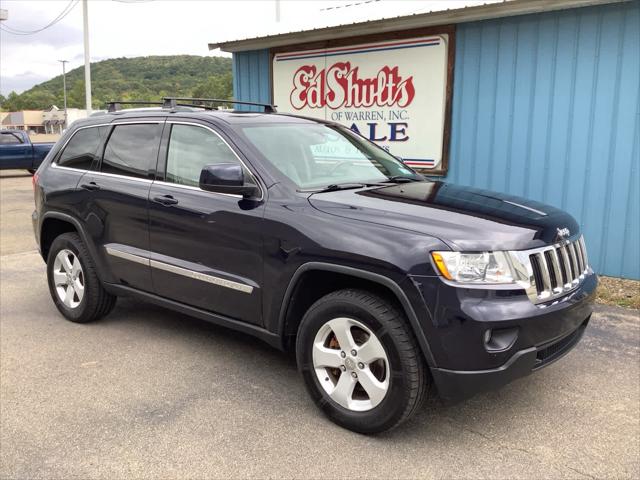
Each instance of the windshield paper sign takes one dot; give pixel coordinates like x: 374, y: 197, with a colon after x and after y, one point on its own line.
x: 393, y: 93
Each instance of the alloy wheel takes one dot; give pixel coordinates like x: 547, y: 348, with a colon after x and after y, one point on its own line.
x: 351, y: 364
x: 68, y: 278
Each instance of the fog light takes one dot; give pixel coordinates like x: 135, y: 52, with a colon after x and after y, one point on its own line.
x: 499, y: 340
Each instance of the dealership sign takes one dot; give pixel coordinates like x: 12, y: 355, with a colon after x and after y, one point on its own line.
x: 394, y: 93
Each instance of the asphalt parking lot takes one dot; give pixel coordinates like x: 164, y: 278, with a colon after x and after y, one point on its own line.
x: 147, y: 393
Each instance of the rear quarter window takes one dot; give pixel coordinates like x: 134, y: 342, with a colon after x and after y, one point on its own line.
x: 81, y: 151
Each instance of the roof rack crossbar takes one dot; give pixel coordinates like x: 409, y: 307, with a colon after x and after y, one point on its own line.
x: 173, y: 102
x: 268, y: 108
x: 116, y: 105
x: 195, y: 105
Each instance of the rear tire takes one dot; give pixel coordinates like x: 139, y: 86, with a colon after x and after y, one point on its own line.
x: 385, y: 387
x: 73, y: 283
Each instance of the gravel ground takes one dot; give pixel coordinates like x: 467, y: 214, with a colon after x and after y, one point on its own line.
x: 619, y: 291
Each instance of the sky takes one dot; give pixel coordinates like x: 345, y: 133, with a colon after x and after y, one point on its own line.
x: 131, y: 28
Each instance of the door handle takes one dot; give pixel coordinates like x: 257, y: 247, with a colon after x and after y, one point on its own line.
x: 165, y: 200
x: 90, y: 186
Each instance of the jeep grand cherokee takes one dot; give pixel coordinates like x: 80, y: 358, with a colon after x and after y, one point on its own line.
x: 310, y: 237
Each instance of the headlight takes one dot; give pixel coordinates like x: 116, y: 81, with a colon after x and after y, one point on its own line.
x: 485, y: 267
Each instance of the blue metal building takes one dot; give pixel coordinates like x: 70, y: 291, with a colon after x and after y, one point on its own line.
x: 546, y: 104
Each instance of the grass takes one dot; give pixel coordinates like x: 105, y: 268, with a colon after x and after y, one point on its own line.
x: 619, y: 291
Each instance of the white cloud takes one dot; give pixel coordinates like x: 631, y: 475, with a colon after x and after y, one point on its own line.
x: 160, y: 27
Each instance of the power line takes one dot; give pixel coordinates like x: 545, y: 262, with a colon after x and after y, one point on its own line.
x: 60, y: 16
x: 65, y: 11
x: 349, y: 5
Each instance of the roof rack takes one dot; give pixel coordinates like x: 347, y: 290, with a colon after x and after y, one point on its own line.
x: 116, y: 105
x: 173, y: 102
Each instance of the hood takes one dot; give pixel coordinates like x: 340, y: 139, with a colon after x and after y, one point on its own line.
x: 466, y: 218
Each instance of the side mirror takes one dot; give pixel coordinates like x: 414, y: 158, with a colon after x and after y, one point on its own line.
x: 226, y: 178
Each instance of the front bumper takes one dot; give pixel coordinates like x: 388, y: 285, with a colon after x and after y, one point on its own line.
x: 456, y: 385
x: 533, y: 335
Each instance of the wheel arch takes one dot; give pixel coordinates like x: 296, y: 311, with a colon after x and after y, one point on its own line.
x: 56, y: 223
x: 296, y: 302
x: 53, y: 225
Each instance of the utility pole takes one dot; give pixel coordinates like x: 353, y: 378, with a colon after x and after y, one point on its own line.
x: 64, y: 89
x: 87, y: 63
x: 277, y: 10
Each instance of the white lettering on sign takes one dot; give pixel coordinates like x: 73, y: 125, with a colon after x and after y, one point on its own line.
x: 394, y: 93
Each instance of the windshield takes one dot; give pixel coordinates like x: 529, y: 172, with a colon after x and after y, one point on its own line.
x: 316, y: 155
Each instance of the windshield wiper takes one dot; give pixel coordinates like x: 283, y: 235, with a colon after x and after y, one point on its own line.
x: 402, y: 179
x: 341, y: 186
x: 347, y: 186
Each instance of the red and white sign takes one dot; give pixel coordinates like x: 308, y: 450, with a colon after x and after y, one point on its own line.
x: 392, y: 92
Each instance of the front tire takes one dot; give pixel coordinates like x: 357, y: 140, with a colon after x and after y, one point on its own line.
x: 360, y: 361
x: 73, y: 283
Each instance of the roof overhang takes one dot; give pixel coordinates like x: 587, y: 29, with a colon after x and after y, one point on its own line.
x: 445, y: 17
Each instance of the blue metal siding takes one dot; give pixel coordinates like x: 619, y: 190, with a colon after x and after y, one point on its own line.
x: 547, y: 106
x: 252, y: 77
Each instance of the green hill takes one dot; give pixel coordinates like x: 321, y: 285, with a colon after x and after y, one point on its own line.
x: 140, y: 78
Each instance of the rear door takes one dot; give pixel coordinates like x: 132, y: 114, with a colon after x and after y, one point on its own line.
x: 76, y: 157
x: 116, y: 209
x: 206, y: 247
x: 14, y: 151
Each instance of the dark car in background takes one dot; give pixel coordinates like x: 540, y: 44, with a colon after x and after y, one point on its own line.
x: 18, y: 152
x: 385, y: 284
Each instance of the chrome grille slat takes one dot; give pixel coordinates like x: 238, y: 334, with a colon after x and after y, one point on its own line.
x: 574, y: 263
x: 555, y: 264
x: 544, y: 272
x: 567, y: 265
x: 556, y: 270
x: 581, y: 265
x: 584, y: 252
x: 561, y: 264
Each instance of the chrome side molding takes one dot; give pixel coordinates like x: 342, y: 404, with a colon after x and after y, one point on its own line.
x: 167, y: 267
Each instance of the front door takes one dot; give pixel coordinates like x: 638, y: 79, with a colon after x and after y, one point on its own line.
x: 206, y: 247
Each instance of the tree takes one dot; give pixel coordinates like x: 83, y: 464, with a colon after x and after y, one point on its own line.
x: 141, y: 78
x: 218, y: 86
x: 11, y: 102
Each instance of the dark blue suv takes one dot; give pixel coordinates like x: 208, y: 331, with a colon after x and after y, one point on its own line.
x: 312, y: 238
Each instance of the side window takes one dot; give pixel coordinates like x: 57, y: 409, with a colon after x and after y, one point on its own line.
x: 190, y: 149
x: 132, y: 150
x: 10, y: 138
x: 80, y: 151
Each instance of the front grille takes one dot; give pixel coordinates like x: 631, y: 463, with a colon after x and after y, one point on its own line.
x: 559, y: 269
x: 556, y: 350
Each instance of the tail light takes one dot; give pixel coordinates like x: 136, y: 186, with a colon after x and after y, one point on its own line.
x: 34, y: 181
